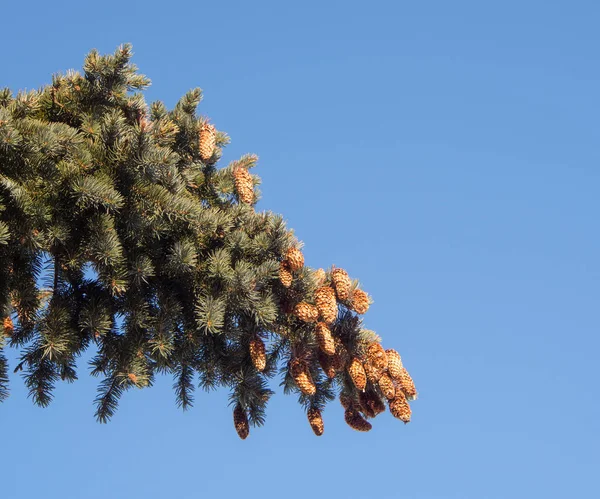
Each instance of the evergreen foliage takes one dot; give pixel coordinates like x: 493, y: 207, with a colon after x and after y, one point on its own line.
x: 118, y: 232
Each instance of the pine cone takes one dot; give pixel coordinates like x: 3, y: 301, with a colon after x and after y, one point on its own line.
x: 319, y: 277
x: 316, y: 421
x: 324, y: 338
x: 207, y: 141
x: 407, y: 385
x: 327, y: 364
x: 341, y: 283
x: 306, y: 312
x: 394, y: 363
x: 240, y: 421
x: 376, y: 356
x: 357, y: 373
x: 244, y: 185
x: 285, y: 275
x: 258, y: 353
x: 356, y: 421
x: 302, y: 377
x: 373, y: 374
x: 387, y: 387
x: 9, y: 327
x: 399, y: 407
x: 360, y: 301
x: 295, y: 258
x: 326, y: 303
x: 370, y: 403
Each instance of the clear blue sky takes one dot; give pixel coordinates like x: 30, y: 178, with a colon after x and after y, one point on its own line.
x: 445, y: 153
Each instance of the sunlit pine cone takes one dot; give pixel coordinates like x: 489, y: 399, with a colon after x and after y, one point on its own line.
x: 244, y: 185
x: 407, y: 385
x: 376, y: 356
x: 295, y: 258
x: 258, y: 353
x: 285, y: 274
x: 357, y: 373
x: 326, y: 303
x: 316, y: 421
x: 341, y: 283
x: 399, y: 407
x: 360, y: 301
x: 394, y: 363
x: 387, y: 386
x: 306, y: 312
x: 373, y: 374
x: 207, y: 141
x: 301, y: 374
x: 324, y: 338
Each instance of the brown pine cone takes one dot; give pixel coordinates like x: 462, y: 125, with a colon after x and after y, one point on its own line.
x: 258, y: 353
x: 399, y: 407
x: 301, y: 374
x: 360, y: 301
x: 356, y: 421
x: 326, y: 303
x: 316, y: 421
x: 240, y: 421
x: 324, y: 338
x: 295, y: 258
x: 285, y: 274
x: 341, y: 283
x: 357, y: 373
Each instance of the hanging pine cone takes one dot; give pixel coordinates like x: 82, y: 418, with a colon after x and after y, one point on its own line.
x: 356, y: 421
x: 300, y: 373
x: 240, y: 421
x: 244, y: 185
x: 376, y: 356
x: 399, y: 407
x: 306, y: 312
x: 324, y: 338
x: 326, y: 303
x: 387, y: 386
x: 207, y: 141
x: 360, y: 301
x: 285, y: 274
x: 357, y: 373
x: 327, y: 364
x: 394, y: 363
x: 319, y: 277
x: 295, y: 258
x: 370, y: 403
x: 9, y: 327
x: 258, y: 353
x: 316, y: 421
x: 341, y: 283
x: 407, y: 385
x: 373, y: 374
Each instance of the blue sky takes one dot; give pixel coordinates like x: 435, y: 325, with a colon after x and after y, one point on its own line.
x: 445, y: 153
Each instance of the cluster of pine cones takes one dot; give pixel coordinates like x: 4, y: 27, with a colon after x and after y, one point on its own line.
x: 377, y: 375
